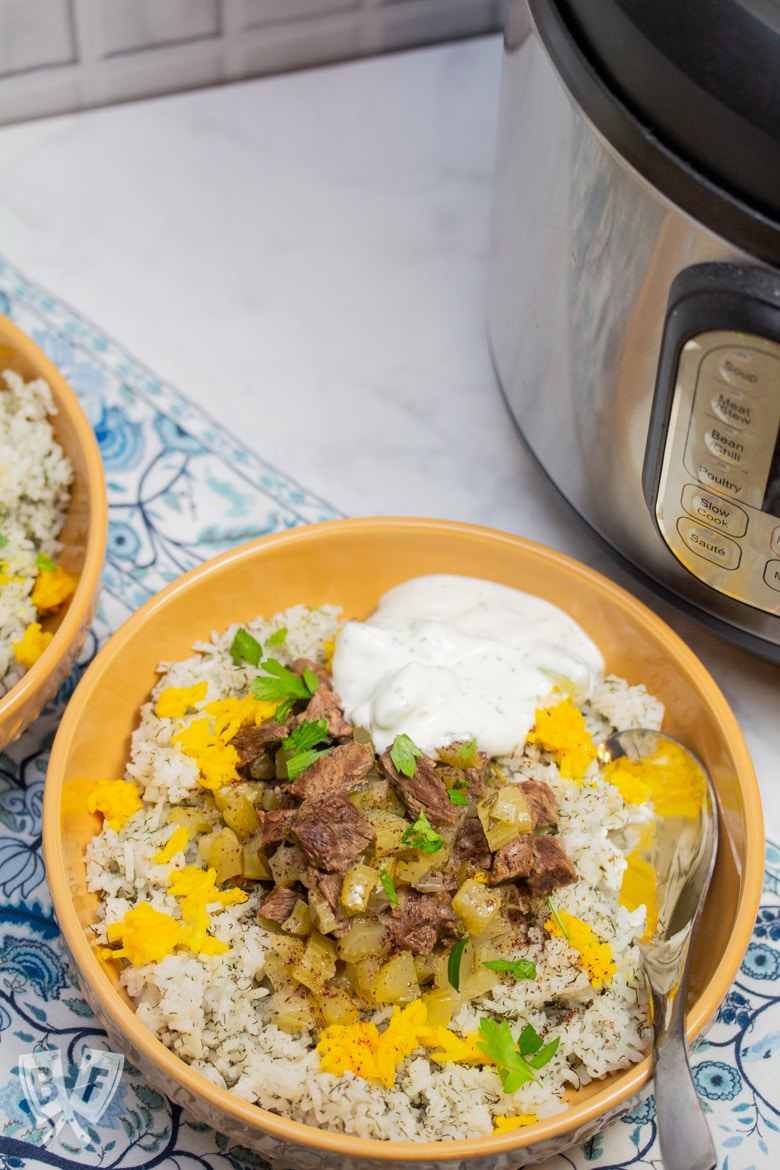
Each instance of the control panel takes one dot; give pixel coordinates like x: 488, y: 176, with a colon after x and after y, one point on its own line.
x: 715, y: 445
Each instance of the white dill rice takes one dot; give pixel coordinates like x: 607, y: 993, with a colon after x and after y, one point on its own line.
x: 216, y: 1011
x: 35, y: 482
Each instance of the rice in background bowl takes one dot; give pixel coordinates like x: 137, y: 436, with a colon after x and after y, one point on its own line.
x: 79, y: 544
x: 35, y: 480
x: 350, y: 564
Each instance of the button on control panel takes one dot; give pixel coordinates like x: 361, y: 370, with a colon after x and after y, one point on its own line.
x: 713, y: 546
x: 720, y: 473
x: 772, y: 575
x: 734, y: 415
x: 712, y: 509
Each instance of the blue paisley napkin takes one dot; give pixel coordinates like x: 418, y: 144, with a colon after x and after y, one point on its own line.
x: 181, y: 490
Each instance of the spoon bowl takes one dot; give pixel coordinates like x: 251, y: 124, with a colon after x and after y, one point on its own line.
x: 680, y: 847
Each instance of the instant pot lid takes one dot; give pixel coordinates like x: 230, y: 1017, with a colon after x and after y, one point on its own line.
x: 688, y: 92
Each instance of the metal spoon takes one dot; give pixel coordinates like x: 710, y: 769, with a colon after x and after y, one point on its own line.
x: 682, y: 852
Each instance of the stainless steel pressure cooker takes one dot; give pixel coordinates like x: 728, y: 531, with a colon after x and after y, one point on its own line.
x: 634, y: 286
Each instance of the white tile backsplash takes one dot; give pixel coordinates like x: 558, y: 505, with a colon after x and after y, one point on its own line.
x: 62, y: 55
x: 35, y: 34
x: 256, y: 12
x: 128, y: 26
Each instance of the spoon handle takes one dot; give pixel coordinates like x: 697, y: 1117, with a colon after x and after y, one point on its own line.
x: 683, y: 1133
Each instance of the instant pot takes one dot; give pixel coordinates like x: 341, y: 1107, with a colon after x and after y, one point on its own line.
x: 634, y: 286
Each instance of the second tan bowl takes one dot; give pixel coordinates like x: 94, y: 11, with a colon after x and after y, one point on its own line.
x: 83, y: 537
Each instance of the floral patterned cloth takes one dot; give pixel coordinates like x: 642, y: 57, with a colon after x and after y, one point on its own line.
x: 181, y: 490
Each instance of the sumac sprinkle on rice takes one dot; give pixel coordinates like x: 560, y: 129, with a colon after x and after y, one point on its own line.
x: 399, y: 942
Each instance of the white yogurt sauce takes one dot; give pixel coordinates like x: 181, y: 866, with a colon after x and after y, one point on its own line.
x: 447, y: 658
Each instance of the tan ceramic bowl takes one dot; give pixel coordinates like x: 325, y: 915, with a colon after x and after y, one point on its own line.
x: 83, y: 537
x: 351, y: 563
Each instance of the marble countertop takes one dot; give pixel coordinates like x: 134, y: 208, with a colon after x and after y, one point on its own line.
x: 304, y: 258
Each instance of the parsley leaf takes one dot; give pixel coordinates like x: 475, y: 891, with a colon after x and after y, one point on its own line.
x: 3, y: 540
x: 422, y: 836
x: 388, y: 886
x: 45, y: 564
x: 498, y: 1043
x: 545, y: 1053
x: 278, y: 637
x: 279, y: 684
x: 246, y: 648
x: 468, y: 749
x: 307, y: 734
x: 520, y: 968
x: 301, y: 742
x: 303, y: 760
x: 454, y: 961
x: 403, y: 753
x: 458, y: 794
x: 532, y: 1050
x: 514, y: 1066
